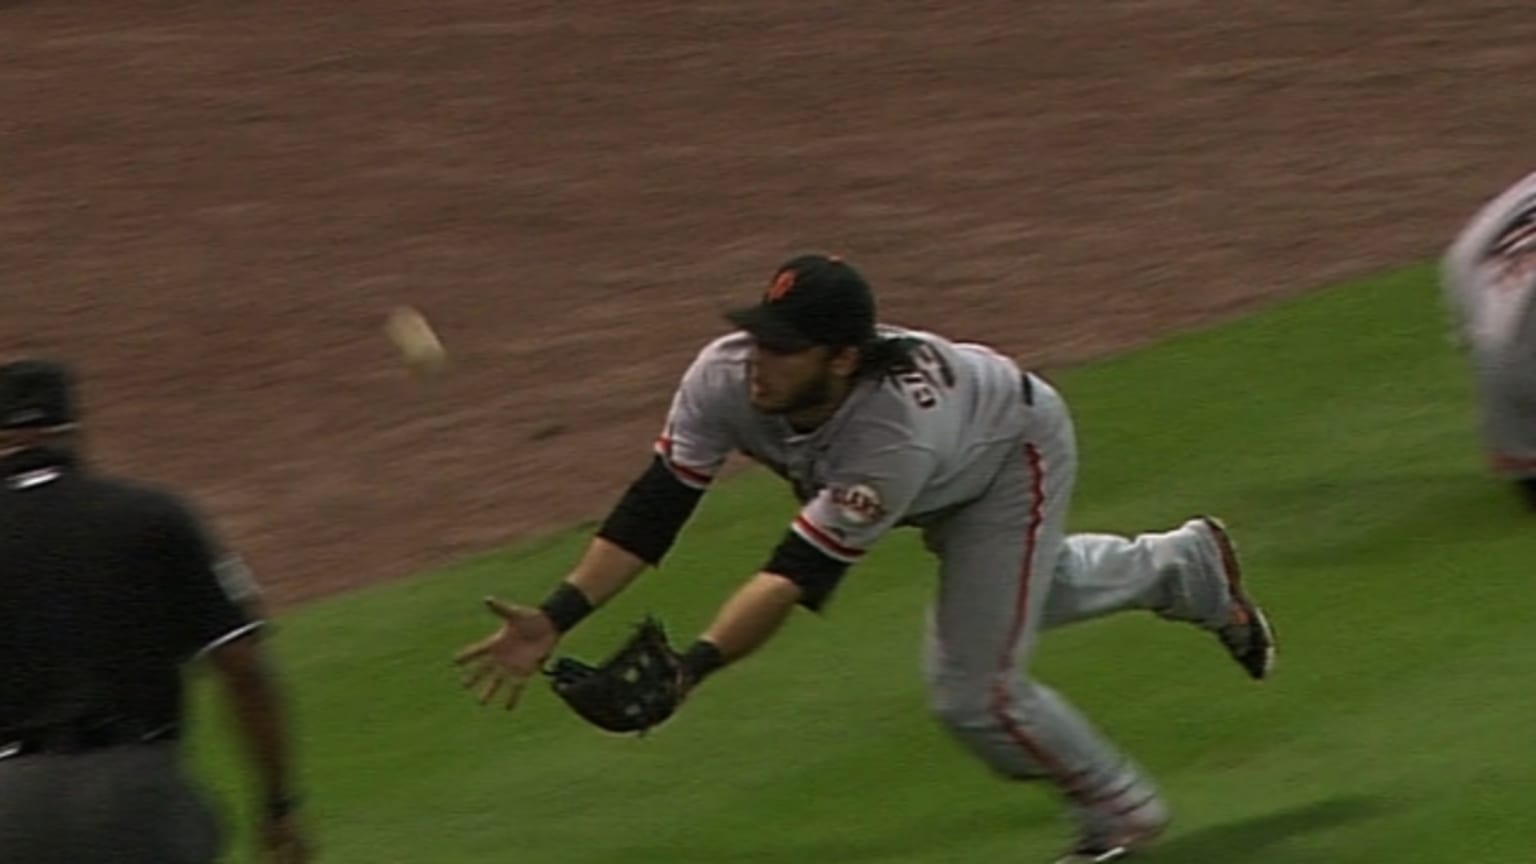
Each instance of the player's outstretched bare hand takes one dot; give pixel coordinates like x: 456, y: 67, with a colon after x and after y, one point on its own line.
x: 509, y: 657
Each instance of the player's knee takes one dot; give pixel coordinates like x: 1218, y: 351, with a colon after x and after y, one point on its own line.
x: 963, y: 709
x: 983, y: 704
x: 988, y: 731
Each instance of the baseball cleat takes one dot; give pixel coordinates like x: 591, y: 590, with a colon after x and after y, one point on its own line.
x: 1130, y: 832
x: 1120, y: 846
x: 1095, y: 855
x: 1247, y: 634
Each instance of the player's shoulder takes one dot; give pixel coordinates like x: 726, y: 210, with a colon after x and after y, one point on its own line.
x: 1525, y: 185
x: 732, y: 347
x: 932, y: 375
x: 147, y: 500
x: 914, y: 385
x: 1488, y: 231
x: 929, y: 342
x: 720, y: 360
x: 946, y: 360
x: 1512, y: 202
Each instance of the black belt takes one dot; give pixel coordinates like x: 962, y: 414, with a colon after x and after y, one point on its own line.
x: 85, y: 737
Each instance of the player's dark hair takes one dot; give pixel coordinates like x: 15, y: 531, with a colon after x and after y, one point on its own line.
x: 886, y: 356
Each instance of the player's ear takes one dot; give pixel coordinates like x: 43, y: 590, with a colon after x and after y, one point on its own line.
x: 845, y: 361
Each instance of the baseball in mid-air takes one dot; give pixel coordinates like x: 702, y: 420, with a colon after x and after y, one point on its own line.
x: 413, y: 335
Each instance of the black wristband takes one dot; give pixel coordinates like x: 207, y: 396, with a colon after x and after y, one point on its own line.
x: 701, y: 659
x: 566, y: 606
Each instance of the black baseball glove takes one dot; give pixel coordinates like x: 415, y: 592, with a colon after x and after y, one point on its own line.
x: 638, y: 687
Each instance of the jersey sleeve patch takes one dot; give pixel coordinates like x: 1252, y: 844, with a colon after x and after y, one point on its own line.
x: 858, y: 505
x: 865, y: 496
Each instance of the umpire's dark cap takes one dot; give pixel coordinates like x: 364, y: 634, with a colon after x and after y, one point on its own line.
x: 811, y: 300
x: 36, y: 394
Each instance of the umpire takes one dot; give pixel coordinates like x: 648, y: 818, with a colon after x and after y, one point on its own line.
x: 107, y: 589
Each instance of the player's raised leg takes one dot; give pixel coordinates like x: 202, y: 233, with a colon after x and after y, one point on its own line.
x: 1190, y: 574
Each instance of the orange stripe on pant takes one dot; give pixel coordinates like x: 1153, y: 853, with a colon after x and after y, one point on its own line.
x: 1070, y: 783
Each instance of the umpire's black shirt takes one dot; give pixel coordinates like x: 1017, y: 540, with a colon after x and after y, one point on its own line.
x: 106, y: 587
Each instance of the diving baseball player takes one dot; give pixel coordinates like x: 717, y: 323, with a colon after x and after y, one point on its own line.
x: 1487, y: 278
x: 875, y: 428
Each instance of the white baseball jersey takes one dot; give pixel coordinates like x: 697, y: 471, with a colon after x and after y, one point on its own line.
x: 898, y: 449
x: 1491, y: 295
x: 1488, y: 276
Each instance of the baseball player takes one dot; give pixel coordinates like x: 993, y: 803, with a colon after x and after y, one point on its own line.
x: 878, y: 427
x: 110, y: 588
x: 1487, y: 278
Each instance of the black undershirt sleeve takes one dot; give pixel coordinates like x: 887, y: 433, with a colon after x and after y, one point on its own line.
x: 651, y: 513
x: 815, y: 572
x: 653, y: 510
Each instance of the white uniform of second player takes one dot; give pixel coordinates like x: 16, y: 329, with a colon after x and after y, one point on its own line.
x: 1488, y: 280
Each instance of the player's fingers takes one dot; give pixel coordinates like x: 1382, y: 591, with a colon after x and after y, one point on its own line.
x: 489, y: 690
x: 473, y: 679
x: 475, y: 651
x: 515, y: 692
x: 506, y: 611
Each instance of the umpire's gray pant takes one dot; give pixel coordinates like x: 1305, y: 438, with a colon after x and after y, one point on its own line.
x: 123, y: 805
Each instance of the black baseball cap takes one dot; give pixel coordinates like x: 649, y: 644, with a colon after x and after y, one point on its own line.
x: 36, y: 394
x: 811, y: 300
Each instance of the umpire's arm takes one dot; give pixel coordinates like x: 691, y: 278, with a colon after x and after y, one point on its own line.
x: 260, y: 716
x: 220, y: 615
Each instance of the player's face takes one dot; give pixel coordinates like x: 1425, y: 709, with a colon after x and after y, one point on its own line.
x: 784, y: 382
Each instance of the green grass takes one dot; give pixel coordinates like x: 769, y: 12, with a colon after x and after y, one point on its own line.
x: 1336, y: 436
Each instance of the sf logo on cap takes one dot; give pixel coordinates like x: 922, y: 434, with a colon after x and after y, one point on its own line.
x: 782, y: 285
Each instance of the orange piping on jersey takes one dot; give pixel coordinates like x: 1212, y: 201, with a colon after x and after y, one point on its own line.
x: 683, y: 472
x: 825, y: 541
